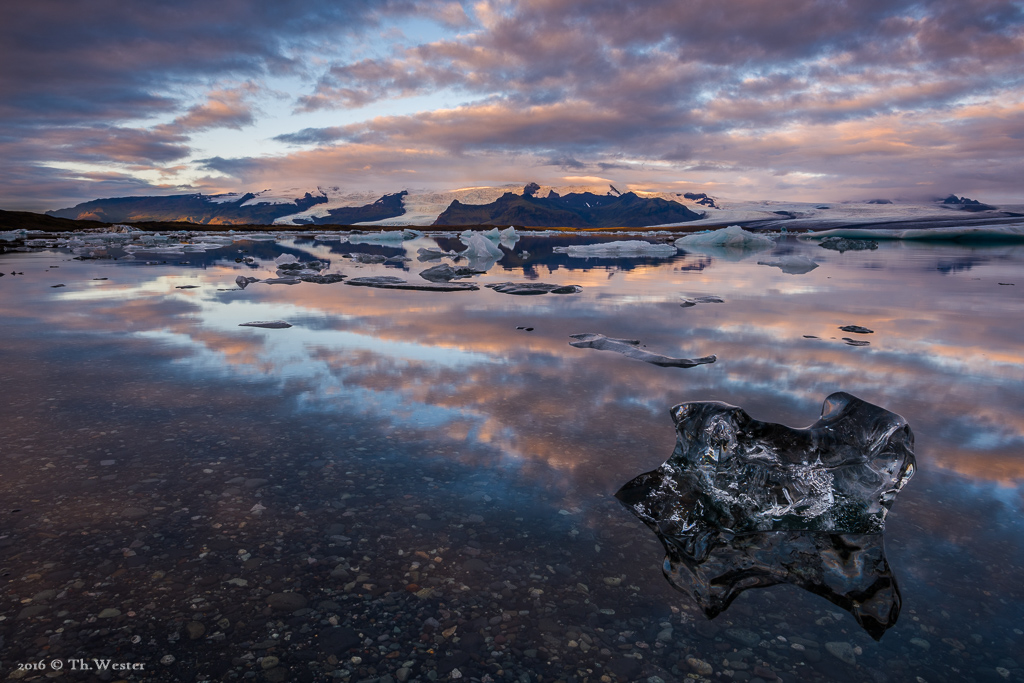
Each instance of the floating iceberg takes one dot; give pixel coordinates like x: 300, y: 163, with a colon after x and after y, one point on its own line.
x: 620, y: 249
x: 533, y: 288
x: 631, y: 349
x: 286, y: 259
x: 793, y: 264
x: 742, y: 503
x: 506, y: 238
x: 733, y: 237
x: 392, y: 282
x: 385, y: 237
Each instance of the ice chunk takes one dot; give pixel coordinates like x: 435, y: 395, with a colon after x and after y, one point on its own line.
x: 479, y: 247
x: 286, y: 259
x: 631, y: 349
x: 269, y: 324
x: 842, y: 244
x: 856, y: 329
x: 508, y: 237
x: 434, y: 254
x: 392, y: 282
x: 243, y: 281
x: 533, y: 288
x: 839, y: 475
x: 324, y: 279
x: 793, y: 264
x: 620, y: 249
x: 385, y: 237
x: 481, y: 252
x: 446, y: 273
x: 368, y: 258
x: 733, y: 237
x: 282, y: 281
x: 742, y: 503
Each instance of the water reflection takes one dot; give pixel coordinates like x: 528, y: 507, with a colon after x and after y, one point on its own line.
x: 389, y: 405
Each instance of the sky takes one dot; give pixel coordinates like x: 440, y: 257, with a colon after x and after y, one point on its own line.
x: 802, y: 100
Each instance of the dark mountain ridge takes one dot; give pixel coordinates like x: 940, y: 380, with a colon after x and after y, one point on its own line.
x: 575, y: 210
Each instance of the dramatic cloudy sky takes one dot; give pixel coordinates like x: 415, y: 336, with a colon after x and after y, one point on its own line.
x: 798, y: 99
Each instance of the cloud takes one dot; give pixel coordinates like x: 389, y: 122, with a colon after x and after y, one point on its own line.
x: 791, y: 97
x: 83, y: 82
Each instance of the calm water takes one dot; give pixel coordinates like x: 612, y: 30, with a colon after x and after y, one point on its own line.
x: 399, y: 464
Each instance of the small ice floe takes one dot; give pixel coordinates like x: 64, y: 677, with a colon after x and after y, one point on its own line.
x: 384, y: 237
x: 793, y: 264
x: 533, y: 288
x: 732, y: 237
x: 856, y: 329
x: 243, y: 281
x: 286, y: 260
x: 268, y: 324
x: 424, y: 254
x: 392, y: 282
x: 856, y: 342
x: 446, y: 273
x: 687, y: 303
x: 620, y: 249
x: 187, y: 287
x: 368, y: 258
x: 282, y: 281
x: 842, y: 244
x: 322, y: 279
x: 631, y: 349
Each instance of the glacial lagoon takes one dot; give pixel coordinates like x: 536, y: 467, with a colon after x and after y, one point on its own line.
x: 420, y: 485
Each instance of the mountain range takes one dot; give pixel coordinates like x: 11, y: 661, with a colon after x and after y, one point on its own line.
x: 577, y: 209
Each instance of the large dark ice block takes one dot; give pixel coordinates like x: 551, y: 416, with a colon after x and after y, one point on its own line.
x: 745, y: 504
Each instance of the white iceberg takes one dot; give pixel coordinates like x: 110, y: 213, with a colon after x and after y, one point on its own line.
x: 733, y: 237
x: 479, y: 247
x: 620, y: 249
x: 285, y: 259
x: 385, y: 237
